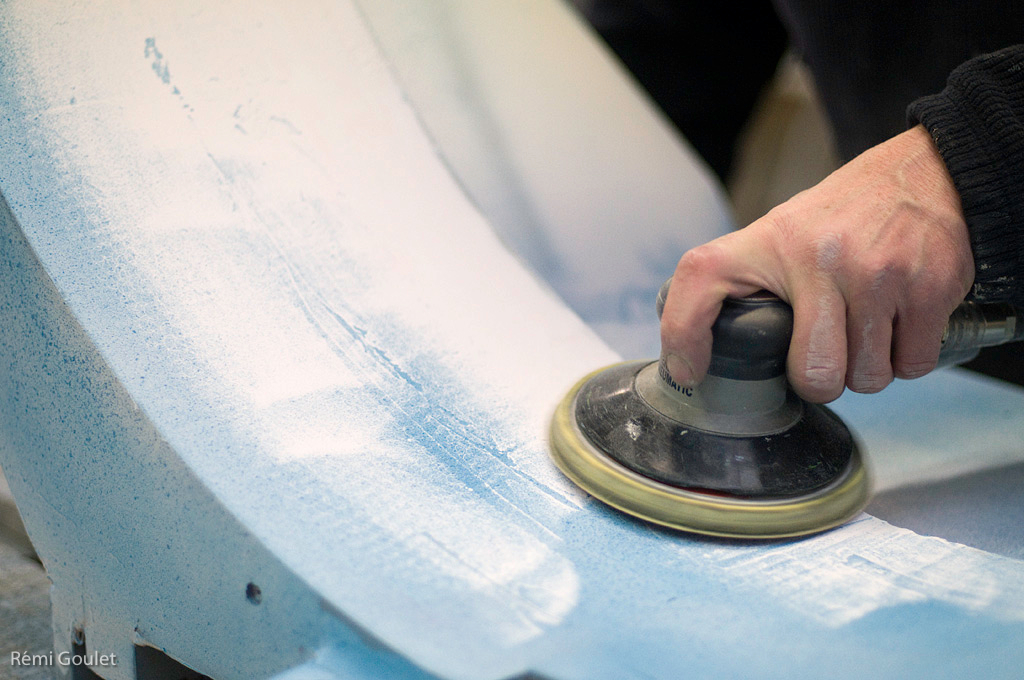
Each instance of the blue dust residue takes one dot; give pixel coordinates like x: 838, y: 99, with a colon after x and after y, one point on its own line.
x: 162, y: 71
x: 159, y: 66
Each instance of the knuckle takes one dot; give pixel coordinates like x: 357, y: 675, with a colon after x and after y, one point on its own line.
x: 880, y: 274
x: 828, y: 253
x: 877, y: 279
x: 702, y: 260
x: 782, y: 220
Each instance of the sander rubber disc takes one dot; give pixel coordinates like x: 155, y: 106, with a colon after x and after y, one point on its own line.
x: 705, y: 513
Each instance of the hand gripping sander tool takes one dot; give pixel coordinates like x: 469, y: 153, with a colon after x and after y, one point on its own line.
x: 740, y: 455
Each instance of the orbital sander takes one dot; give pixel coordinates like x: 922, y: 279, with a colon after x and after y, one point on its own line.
x: 740, y: 455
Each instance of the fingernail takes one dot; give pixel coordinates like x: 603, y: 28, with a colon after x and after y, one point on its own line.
x: 680, y: 370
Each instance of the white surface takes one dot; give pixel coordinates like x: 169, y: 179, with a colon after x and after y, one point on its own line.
x: 577, y: 172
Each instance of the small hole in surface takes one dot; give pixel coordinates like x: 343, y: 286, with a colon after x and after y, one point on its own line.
x: 253, y: 593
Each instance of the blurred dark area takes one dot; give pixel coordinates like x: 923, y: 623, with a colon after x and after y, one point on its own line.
x: 706, y: 66
x: 704, y: 63
x: 1005, y: 362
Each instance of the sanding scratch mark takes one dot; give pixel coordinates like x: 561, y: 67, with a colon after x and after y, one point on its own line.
x: 287, y: 123
x: 844, y: 575
x: 359, y: 335
x: 421, y: 411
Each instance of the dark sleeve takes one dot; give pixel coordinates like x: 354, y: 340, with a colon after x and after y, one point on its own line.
x: 977, y: 123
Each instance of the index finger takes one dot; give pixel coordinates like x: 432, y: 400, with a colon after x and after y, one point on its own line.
x: 704, y: 277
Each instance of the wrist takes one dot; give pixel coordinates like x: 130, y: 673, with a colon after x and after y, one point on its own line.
x: 923, y: 172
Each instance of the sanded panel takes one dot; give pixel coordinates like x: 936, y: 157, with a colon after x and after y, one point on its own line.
x: 243, y: 214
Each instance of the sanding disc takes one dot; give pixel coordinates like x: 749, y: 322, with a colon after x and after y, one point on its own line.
x: 703, y: 511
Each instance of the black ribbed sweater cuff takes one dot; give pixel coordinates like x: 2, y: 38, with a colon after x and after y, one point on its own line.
x: 977, y: 123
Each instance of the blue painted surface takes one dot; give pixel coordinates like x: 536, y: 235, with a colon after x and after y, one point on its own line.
x: 224, y: 360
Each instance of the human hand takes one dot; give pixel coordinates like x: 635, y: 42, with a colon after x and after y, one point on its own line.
x: 873, y: 261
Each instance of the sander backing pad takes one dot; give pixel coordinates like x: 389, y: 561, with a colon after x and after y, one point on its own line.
x: 614, y: 444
